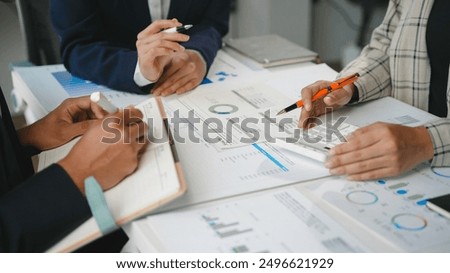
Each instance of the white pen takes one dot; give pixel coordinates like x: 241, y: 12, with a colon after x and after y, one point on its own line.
x: 177, y: 29
x: 103, y: 102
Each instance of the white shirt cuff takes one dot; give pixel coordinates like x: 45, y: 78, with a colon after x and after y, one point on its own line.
x: 139, y: 79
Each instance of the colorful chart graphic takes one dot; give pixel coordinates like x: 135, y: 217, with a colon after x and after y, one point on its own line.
x: 75, y: 86
x: 408, y: 221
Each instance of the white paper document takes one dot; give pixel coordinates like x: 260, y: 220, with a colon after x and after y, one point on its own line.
x: 224, y: 155
x: 281, y: 221
x: 289, y: 81
x: 394, y: 209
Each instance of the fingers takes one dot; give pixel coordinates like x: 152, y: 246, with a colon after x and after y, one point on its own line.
x: 77, y: 108
x: 373, y: 174
x: 136, y: 131
x: 130, y: 122
x: 187, y: 86
x: 307, y: 118
x: 343, y: 163
x: 81, y: 108
x: 97, y: 112
x: 309, y: 91
x: 184, y: 73
x: 375, y: 151
x: 157, y: 26
x: 130, y: 115
x: 80, y: 128
x: 152, y: 37
x: 181, y: 86
x: 312, y: 109
x: 154, y: 52
x: 367, y: 170
x: 358, y: 140
x: 83, y: 103
x: 178, y: 61
x: 176, y: 77
x: 339, y: 97
x: 170, y: 43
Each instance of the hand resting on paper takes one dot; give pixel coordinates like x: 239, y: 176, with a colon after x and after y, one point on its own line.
x: 381, y: 150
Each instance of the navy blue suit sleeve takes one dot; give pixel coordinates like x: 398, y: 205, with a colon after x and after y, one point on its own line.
x: 89, y: 48
x: 206, y: 36
x: 41, y: 211
x: 98, y: 37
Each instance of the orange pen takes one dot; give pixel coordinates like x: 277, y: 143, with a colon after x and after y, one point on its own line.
x: 323, y: 92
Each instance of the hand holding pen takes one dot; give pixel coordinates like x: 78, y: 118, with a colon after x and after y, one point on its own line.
x: 323, y: 96
x: 101, y: 100
x: 179, y: 29
x: 333, y: 86
x: 155, y: 45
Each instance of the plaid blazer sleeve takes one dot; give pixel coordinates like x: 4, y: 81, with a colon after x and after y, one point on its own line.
x: 373, y: 63
x: 440, y: 135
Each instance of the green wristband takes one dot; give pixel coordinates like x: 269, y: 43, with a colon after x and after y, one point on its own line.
x: 99, y: 207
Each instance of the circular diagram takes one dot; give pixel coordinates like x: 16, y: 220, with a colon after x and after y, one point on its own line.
x: 443, y: 172
x: 410, y: 222
x: 223, y: 109
x: 362, y: 197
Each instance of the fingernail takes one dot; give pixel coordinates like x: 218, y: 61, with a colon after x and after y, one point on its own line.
x: 308, y: 107
x: 328, y: 164
x: 336, y: 171
x: 332, y: 152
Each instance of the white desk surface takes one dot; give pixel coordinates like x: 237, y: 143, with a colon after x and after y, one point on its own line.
x: 289, y: 83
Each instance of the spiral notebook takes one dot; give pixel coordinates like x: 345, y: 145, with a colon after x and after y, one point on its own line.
x: 272, y: 50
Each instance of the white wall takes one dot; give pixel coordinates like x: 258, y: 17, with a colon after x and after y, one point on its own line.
x: 311, y: 23
x: 331, y: 34
x: 288, y: 18
x: 12, y: 46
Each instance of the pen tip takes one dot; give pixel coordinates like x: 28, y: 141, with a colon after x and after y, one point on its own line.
x: 188, y: 26
x: 281, y: 112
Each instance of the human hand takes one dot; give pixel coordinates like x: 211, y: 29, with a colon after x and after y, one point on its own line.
x: 154, y: 47
x: 185, y: 72
x: 109, y: 151
x: 380, y: 150
x: 72, y: 118
x: 333, y: 100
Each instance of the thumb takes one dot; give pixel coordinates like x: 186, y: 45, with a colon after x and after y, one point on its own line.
x: 337, y: 98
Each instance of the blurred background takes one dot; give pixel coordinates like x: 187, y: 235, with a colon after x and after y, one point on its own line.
x: 336, y: 29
